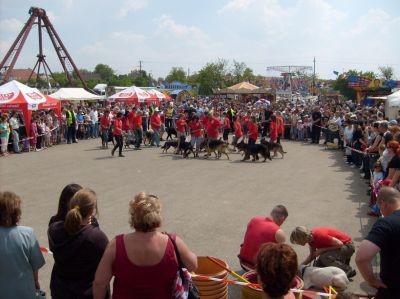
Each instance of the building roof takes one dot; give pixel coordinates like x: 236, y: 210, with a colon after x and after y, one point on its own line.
x: 242, y: 86
x: 21, y: 74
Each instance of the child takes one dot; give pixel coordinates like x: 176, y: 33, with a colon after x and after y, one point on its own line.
x: 34, y: 134
x: 377, y: 183
x: 300, y: 130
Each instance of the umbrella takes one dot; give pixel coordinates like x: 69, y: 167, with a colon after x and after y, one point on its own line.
x: 131, y: 94
x: 15, y: 95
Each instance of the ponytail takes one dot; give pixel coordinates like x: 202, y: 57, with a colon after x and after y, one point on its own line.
x: 73, y: 221
x: 82, y: 205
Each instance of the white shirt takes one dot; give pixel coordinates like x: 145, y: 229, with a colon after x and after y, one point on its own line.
x: 94, y: 116
x: 14, y: 123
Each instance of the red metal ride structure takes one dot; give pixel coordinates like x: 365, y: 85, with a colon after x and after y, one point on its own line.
x: 38, y: 16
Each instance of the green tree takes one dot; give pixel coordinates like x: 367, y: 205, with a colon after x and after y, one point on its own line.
x: 248, y: 75
x: 176, y: 74
x: 238, y: 71
x: 60, y: 79
x: 105, y: 72
x: 211, y: 76
x: 386, y: 72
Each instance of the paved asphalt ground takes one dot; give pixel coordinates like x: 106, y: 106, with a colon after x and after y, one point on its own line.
x: 206, y: 202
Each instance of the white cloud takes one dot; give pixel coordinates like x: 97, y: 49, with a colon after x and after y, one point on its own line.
x: 168, y: 27
x: 131, y: 6
x: 236, y: 5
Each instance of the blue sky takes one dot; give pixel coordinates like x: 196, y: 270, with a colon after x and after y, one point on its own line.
x: 341, y: 34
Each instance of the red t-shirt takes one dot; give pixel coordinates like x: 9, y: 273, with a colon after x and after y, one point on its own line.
x: 105, y: 121
x: 252, y: 130
x: 246, y: 120
x: 137, y: 122
x: 281, y: 127
x: 180, y: 125
x: 322, y: 237
x: 125, y: 123
x: 238, y: 129
x: 259, y: 230
x: 213, y: 126
x: 117, y: 124
x: 227, y: 123
x: 195, y: 128
x: 155, y: 121
x: 273, y: 130
x: 131, y: 117
x: 204, y: 121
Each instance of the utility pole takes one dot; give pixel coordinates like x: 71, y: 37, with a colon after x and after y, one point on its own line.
x: 188, y: 73
x: 140, y: 67
x: 313, y: 79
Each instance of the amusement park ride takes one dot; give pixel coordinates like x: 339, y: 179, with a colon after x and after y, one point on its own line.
x: 288, y: 72
x: 38, y: 17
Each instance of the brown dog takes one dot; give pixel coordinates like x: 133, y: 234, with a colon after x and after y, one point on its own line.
x: 218, y: 147
x: 273, y: 147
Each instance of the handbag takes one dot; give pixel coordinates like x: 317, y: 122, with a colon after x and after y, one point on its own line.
x: 183, y: 287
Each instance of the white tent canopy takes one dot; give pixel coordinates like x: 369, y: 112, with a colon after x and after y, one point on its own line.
x: 392, y: 105
x: 74, y: 94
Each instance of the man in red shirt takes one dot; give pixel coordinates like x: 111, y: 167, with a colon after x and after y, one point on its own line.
x: 262, y: 230
x: 105, y: 123
x: 227, y: 126
x: 237, y: 129
x: 213, y: 126
x: 329, y: 245
x: 245, y: 121
x: 281, y: 127
x: 155, y: 123
x: 181, y: 128
x: 252, y: 128
x: 117, y: 132
x: 196, y: 132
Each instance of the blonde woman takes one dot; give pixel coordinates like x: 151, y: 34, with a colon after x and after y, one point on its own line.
x: 329, y: 245
x: 77, y: 248
x: 143, y: 262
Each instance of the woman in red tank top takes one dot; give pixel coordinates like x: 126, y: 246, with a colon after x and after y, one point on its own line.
x: 143, y: 262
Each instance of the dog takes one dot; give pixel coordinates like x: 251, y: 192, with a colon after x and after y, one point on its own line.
x: 273, y: 147
x: 168, y: 144
x: 322, y: 277
x: 171, y: 131
x: 254, y: 151
x: 185, y: 147
x: 129, y: 140
x: 148, y: 137
x: 218, y: 147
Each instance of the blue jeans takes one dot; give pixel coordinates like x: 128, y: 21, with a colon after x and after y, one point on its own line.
x: 15, y: 137
x: 138, y: 137
x: 156, y: 137
x: 91, y: 131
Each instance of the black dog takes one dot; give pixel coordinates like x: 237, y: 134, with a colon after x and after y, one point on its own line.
x: 254, y: 150
x: 168, y: 144
x: 171, y: 131
x: 185, y: 147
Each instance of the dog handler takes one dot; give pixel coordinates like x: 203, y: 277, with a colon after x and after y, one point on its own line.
x: 262, y: 230
x: 333, y: 247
